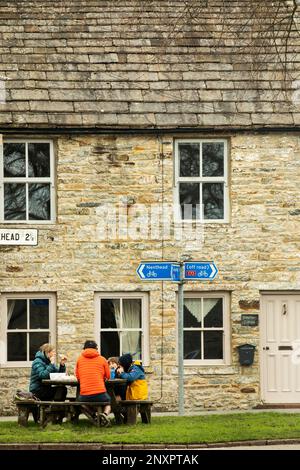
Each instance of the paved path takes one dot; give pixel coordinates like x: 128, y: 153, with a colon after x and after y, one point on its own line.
x: 270, y: 447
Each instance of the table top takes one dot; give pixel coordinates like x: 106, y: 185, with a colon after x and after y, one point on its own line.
x: 116, y: 381
x: 74, y: 383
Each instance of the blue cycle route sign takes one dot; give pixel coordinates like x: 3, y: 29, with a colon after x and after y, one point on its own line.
x: 159, y: 271
x: 200, y: 271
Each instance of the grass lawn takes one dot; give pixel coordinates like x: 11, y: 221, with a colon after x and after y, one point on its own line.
x: 172, y: 430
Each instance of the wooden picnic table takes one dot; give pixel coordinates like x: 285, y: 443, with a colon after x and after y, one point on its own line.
x: 110, y: 384
x: 125, y: 411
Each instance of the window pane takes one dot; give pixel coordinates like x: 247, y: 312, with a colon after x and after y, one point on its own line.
x: 213, y: 344
x: 16, y: 314
x: 39, y: 201
x: 213, y: 159
x: 131, y: 343
x: 192, y: 345
x: 192, y: 313
x: 110, y: 313
x: 213, y: 200
x: 39, y: 313
x: 14, y: 160
x: 189, y: 158
x: 39, y: 160
x: 17, y: 347
x: 14, y: 201
x: 189, y: 199
x: 35, y: 341
x: 109, y: 344
x: 213, y: 313
x: 132, y: 313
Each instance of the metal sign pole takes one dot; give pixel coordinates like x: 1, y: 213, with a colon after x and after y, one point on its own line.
x: 180, y: 342
x: 178, y: 272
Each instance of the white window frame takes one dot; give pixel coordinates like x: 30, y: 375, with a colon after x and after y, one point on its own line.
x: 4, y: 331
x: 226, y: 329
x: 145, y: 318
x: 200, y: 179
x: 26, y: 179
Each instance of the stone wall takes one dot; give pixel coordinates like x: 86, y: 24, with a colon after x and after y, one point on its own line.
x: 257, y: 250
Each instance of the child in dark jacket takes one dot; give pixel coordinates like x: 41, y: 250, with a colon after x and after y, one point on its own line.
x: 133, y: 372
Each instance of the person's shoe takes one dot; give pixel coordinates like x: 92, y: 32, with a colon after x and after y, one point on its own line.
x: 104, y: 420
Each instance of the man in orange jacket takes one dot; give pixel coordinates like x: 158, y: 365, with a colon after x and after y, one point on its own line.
x: 91, y: 371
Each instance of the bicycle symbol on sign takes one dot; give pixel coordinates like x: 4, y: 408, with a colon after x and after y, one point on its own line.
x: 151, y: 274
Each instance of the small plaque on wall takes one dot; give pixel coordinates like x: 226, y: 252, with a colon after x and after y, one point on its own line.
x: 249, y: 319
x: 18, y: 237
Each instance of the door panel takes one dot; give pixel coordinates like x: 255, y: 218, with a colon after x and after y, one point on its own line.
x: 280, y: 352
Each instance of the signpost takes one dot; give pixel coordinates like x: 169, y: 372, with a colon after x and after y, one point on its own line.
x: 178, y: 272
x: 180, y: 343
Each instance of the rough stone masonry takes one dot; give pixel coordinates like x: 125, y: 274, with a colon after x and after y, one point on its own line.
x: 258, y: 249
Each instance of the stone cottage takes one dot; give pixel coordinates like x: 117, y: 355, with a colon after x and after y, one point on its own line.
x: 123, y: 142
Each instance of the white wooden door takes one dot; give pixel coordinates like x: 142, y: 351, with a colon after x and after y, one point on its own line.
x: 280, y: 348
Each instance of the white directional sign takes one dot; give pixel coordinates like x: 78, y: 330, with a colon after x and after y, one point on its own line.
x: 18, y: 237
x: 203, y: 270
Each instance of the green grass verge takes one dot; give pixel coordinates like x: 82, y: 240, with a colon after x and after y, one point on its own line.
x: 172, y: 430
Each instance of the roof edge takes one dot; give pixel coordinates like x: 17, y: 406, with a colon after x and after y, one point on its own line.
x: 148, y: 130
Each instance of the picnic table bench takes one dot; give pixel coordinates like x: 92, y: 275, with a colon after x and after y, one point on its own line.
x: 125, y: 411
x: 25, y: 407
x: 44, y: 412
x: 56, y: 411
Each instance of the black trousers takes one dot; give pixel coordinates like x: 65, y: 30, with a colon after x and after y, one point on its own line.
x: 48, y: 393
x: 120, y: 390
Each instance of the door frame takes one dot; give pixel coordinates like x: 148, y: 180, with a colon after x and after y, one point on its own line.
x: 263, y: 293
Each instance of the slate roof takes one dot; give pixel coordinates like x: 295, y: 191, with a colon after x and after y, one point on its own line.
x: 96, y: 63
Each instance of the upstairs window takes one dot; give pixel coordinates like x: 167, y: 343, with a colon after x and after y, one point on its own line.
x: 27, y: 181
x: 201, y: 180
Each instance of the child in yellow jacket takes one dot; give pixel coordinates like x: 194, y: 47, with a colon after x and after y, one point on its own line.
x: 134, y: 373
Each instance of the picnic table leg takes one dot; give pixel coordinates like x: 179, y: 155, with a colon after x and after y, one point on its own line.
x: 117, y: 411
x: 131, y: 414
x: 54, y: 415
x: 35, y: 413
x: 88, y: 413
x: 145, y: 411
x: 99, y: 410
x: 118, y: 417
x: 58, y: 417
x: 73, y: 414
x: 23, y: 413
x: 43, y: 422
